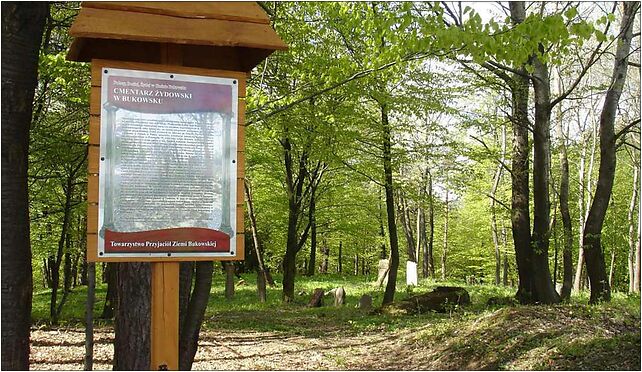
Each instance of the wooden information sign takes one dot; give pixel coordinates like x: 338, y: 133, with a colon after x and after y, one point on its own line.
x: 166, y: 138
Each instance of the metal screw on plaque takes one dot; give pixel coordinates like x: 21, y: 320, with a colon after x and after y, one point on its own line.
x: 100, y: 254
x: 106, y: 71
x: 233, y: 161
x: 169, y: 255
x: 171, y: 76
x: 233, y: 81
x: 102, y: 158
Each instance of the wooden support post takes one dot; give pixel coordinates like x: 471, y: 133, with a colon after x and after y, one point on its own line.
x: 164, y: 327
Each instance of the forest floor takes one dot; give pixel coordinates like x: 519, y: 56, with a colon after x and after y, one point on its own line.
x: 242, y: 336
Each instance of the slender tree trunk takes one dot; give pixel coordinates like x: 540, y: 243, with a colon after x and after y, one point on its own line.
x: 340, y: 263
x: 586, y: 193
x: 191, y: 325
x: 55, y: 269
x: 132, y: 343
x: 111, y: 297
x: 567, y: 281
x: 404, y: 214
x: 493, y: 214
x: 382, y: 232
x: 255, y: 235
x: 545, y: 291
x: 229, y: 280
x: 326, y: 257
x: 506, y: 266
x: 444, y: 251
x: 89, y: 317
x: 356, y: 264
x: 421, y: 240
x: 389, y: 294
x: 632, y: 230
x: 611, y: 268
x: 431, y: 224
x: 593, y: 250
x: 636, y: 278
x: 313, y: 237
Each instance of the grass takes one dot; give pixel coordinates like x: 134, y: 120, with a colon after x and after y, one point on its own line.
x: 573, y: 335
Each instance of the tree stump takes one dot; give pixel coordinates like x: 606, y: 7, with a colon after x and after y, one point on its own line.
x: 441, y: 300
x: 317, y: 298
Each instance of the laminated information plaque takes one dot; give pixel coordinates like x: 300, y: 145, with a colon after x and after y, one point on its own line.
x: 167, y: 174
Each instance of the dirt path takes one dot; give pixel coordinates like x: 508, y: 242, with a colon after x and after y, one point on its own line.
x: 63, y: 349
x: 522, y: 338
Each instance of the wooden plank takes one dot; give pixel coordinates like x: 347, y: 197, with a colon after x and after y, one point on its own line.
x: 92, y: 248
x: 94, y: 101
x: 164, y: 316
x: 231, y: 11
x: 240, y: 247
x: 240, y: 196
x: 99, y: 64
x: 240, y: 220
x: 92, y: 219
x: 94, y: 130
x: 93, y: 159
x: 92, y: 188
x: 96, y: 75
x: 121, y: 25
x: 240, y: 161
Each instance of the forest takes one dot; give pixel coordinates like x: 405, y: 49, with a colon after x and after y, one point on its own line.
x: 394, y: 148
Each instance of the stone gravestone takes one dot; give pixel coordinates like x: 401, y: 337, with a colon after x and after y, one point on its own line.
x: 317, y: 298
x: 411, y: 273
x: 382, y: 277
x: 340, y: 297
x: 365, y: 302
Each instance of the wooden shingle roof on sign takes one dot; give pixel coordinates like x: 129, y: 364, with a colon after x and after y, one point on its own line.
x: 219, y: 35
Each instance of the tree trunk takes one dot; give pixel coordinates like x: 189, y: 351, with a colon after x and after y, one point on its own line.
x: 506, y: 266
x: 313, y: 237
x: 545, y: 290
x: 111, y: 297
x: 493, y: 214
x: 191, y: 325
x: 340, y: 263
x: 520, y: 209
x: 636, y: 278
x: 444, y: 251
x: 132, y: 343
x: 431, y: 224
x: 89, y: 317
x: 255, y: 235
x: 260, y: 284
x: 356, y: 264
x: 295, y: 194
x: 382, y: 232
x: 586, y: 187
x: 389, y: 294
x: 55, y: 269
x: 567, y: 281
x: 326, y: 257
x: 404, y: 214
x: 593, y: 250
x: 22, y: 26
x: 632, y: 230
x: 229, y: 280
